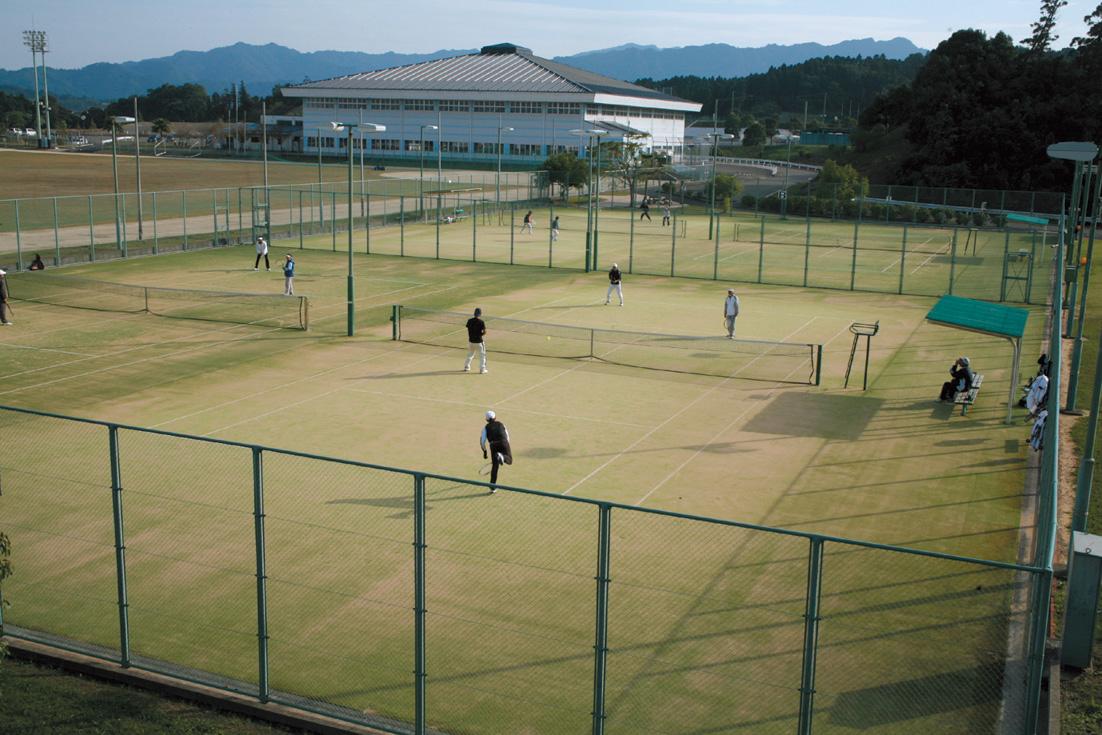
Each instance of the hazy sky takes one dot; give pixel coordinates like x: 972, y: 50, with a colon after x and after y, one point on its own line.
x: 82, y: 32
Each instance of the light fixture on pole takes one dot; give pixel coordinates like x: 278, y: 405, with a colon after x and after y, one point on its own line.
x: 36, y: 42
x: 716, y: 137
x: 421, y: 177
x: 590, y: 218
x: 350, y: 128
x: 1081, y: 153
x: 115, y: 123
x: 497, y: 180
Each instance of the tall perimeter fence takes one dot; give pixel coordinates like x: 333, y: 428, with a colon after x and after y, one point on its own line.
x: 906, y: 240
x: 418, y: 603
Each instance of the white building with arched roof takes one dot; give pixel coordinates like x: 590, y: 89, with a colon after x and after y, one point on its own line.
x: 471, y: 98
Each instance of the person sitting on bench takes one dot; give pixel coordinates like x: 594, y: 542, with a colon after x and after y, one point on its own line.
x: 961, y: 377
x: 37, y: 264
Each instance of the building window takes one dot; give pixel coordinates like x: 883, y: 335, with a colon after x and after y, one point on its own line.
x: 482, y: 106
x: 455, y: 106
x: 526, y: 108
x: 415, y: 145
x: 524, y: 149
x: 454, y: 146
x: 420, y: 105
x: 384, y: 144
x: 350, y: 104
x: 563, y: 149
x: 386, y: 104
x: 486, y: 148
x: 564, y: 108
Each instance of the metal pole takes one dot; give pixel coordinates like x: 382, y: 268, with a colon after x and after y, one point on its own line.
x: 351, y: 278
x: 953, y: 261
x: 155, y: 241
x: 597, y: 208
x: 261, y: 575
x: 120, y: 546
x: 1084, y: 205
x: 183, y: 207
x: 856, y: 237
x: 811, y: 636
x: 138, y: 168
x: 1086, y: 464
x: 19, y: 234
x: 401, y: 225
x: 420, y: 675
x: 91, y: 228
x: 264, y: 147
x: 421, y: 177
x: 903, y: 257
x: 57, y: 236
x: 497, y: 177
x: 1070, y: 235
x: 1076, y: 355
x: 115, y: 174
x: 712, y: 205
x: 600, y: 645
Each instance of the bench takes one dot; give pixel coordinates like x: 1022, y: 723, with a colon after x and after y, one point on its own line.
x: 967, y: 397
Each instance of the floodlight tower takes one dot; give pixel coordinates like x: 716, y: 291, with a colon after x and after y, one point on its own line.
x: 36, y: 41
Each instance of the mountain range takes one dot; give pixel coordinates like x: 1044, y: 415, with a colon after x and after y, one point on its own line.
x: 262, y: 67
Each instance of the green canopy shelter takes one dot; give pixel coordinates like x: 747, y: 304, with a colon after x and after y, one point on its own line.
x: 983, y: 317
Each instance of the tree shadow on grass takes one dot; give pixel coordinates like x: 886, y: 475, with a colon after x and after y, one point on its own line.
x: 844, y: 417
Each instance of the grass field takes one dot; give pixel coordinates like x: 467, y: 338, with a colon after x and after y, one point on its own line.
x: 706, y: 639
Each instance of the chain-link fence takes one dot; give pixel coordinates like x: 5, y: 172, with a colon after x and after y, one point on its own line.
x: 421, y: 603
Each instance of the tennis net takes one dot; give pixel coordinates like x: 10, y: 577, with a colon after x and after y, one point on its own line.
x: 268, y: 310
x: 786, y: 362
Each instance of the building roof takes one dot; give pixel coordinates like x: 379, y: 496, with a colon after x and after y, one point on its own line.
x: 503, y: 67
x: 979, y: 316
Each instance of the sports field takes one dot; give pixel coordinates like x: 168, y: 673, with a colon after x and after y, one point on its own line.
x: 706, y: 621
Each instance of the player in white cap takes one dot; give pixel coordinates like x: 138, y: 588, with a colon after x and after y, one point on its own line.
x: 614, y: 278
x: 496, y: 436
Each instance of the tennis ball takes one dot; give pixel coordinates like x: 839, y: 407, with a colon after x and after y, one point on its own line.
x: 549, y: 338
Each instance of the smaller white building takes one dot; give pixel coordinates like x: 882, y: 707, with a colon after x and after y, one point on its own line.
x: 504, y: 93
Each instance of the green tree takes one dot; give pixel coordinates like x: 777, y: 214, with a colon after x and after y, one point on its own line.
x: 161, y: 126
x: 1043, y: 37
x: 566, y: 170
x: 16, y: 119
x: 755, y: 135
x: 727, y: 187
x: 841, y: 181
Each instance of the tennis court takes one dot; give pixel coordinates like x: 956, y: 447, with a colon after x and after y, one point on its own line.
x: 884, y: 465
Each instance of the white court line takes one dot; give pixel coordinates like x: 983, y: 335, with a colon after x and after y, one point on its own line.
x: 892, y: 264
x: 43, y: 349
x: 391, y: 394
x: 685, y: 408
x: 719, y: 433
x: 931, y: 257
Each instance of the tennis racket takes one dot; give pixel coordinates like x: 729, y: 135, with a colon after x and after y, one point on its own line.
x: 486, y: 468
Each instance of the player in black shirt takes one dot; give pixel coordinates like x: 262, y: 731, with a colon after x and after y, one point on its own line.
x: 476, y: 330
x: 496, y: 435
x: 614, y: 278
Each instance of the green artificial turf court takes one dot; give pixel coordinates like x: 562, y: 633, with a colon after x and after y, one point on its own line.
x: 705, y: 622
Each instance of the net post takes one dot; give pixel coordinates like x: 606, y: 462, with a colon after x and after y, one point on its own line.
x: 395, y: 314
x: 120, y: 546
x: 953, y: 261
x: 419, y: 673
x: 263, y: 690
x: 156, y: 241
x: 57, y: 235
x: 761, y: 249
x: 19, y: 234
x: 811, y: 635
x: 592, y: 340
x: 145, y: 299
x: 600, y: 645
x: 819, y: 364
x: 903, y: 256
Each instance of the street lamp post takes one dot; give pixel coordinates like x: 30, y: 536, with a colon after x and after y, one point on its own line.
x: 351, y: 128
x: 115, y: 123
x: 138, y: 168
x: 716, y: 137
x: 497, y: 181
x: 421, y: 178
x: 590, y: 217
x: 787, y: 167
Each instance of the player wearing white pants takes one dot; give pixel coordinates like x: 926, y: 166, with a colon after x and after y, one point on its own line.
x: 614, y: 284
x: 730, y: 312
x: 476, y: 331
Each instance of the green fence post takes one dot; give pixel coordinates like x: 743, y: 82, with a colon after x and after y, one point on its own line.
x: 438, y: 225
x: 1006, y: 265
x: 261, y: 575
x: 856, y: 237
x: 333, y: 217
x: 91, y: 228
x: 240, y: 223
x: 419, y: 673
x: 512, y: 231
x: 300, y: 223
x: 1029, y: 272
x: 120, y: 546
x: 761, y: 249
x: 401, y: 225
x: 19, y: 234
x: 953, y: 261
x: 156, y: 241
x: 474, y: 232
x: 715, y: 257
x: 367, y: 221
x: 903, y: 255
x: 673, y: 252
x: 57, y: 235
x: 214, y: 212
x: 183, y: 201
x: 811, y: 635
x: 807, y: 248
x: 600, y: 646
x: 550, y: 236
x: 125, y: 238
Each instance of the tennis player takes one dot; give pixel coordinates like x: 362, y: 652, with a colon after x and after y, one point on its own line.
x: 555, y: 229
x: 496, y: 435
x: 5, y: 310
x: 730, y: 312
x: 614, y: 279
x: 261, y: 252
x: 527, y: 227
x: 476, y: 330
x: 288, y: 275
